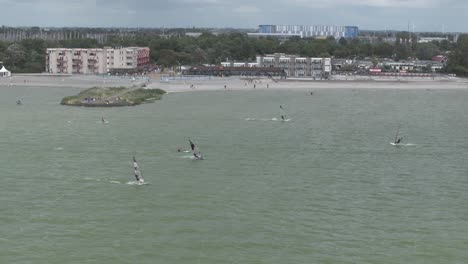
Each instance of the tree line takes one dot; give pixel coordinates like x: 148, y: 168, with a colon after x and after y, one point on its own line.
x: 29, y: 55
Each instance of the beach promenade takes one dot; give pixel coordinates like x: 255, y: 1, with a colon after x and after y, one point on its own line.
x: 234, y: 83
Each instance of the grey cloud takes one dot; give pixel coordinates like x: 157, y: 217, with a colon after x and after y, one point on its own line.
x: 376, y: 14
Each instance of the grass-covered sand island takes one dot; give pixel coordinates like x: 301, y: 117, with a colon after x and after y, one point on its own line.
x: 113, y: 96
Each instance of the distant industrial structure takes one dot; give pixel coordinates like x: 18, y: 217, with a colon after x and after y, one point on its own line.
x: 305, y: 31
x: 96, y: 61
x: 292, y: 65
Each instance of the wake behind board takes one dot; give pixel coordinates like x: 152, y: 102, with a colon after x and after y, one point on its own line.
x: 400, y: 144
x: 137, y: 183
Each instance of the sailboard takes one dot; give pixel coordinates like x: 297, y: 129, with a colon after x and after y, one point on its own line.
x: 196, y: 153
x: 104, y: 121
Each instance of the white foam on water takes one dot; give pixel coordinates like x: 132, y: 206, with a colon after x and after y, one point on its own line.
x: 402, y: 145
x: 137, y: 183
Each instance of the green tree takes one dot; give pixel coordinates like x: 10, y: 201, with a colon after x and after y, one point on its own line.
x: 425, y: 51
x: 15, y: 55
x: 343, y: 41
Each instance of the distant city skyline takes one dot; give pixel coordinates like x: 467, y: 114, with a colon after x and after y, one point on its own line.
x: 417, y: 15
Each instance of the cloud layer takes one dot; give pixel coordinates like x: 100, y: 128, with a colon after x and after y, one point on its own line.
x: 367, y: 14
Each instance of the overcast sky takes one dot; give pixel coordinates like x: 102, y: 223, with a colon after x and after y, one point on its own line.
x: 422, y: 15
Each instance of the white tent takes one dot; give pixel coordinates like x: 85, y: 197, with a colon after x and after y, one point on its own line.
x: 4, y: 72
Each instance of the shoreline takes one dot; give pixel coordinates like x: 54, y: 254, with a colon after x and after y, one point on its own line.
x: 196, y: 84
x: 237, y: 84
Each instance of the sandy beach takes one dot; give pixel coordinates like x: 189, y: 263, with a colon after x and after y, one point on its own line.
x: 72, y: 81
x: 353, y: 82
x: 194, y: 84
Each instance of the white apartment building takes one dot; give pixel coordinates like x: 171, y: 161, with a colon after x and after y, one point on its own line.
x: 95, y: 61
x: 296, y: 66
x: 306, y: 31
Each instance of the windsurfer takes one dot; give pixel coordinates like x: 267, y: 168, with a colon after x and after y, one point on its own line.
x: 138, y: 175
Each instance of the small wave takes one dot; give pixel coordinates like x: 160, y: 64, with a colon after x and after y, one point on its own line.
x: 115, y: 182
x: 250, y: 119
x: 58, y: 148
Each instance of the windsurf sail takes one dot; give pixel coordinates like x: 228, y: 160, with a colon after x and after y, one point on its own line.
x: 397, y: 139
x: 282, y: 113
x: 196, y: 153
x: 138, y: 175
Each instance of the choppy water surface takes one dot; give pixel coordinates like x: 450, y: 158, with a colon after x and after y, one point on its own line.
x: 325, y: 187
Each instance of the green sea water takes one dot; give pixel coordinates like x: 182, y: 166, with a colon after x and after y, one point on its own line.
x: 324, y: 187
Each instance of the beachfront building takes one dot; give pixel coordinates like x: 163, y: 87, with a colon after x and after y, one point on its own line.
x: 306, y: 31
x: 297, y: 66
x: 95, y: 61
x: 292, y: 65
x: 235, y: 71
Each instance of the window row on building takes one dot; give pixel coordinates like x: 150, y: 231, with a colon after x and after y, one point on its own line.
x: 305, y: 31
x: 95, y: 61
x: 293, y: 66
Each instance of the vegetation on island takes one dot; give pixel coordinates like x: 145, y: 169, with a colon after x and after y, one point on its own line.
x: 113, y: 96
x: 28, y: 55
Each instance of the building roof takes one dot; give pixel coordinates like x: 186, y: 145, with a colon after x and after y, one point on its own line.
x: 439, y: 58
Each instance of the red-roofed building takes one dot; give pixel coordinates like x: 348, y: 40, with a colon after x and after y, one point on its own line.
x: 440, y: 58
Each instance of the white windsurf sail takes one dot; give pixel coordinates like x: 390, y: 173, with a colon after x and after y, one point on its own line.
x: 138, y: 174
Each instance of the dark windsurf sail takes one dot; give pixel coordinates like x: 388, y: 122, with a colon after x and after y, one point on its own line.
x: 283, y: 114
x: 196, y: 153
x: 397, y: 138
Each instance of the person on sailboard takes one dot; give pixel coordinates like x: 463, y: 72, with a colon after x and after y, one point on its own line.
x: 137, y: 176
x: 192, y: 146
x: 398, y: 140
x: 282, y: 117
